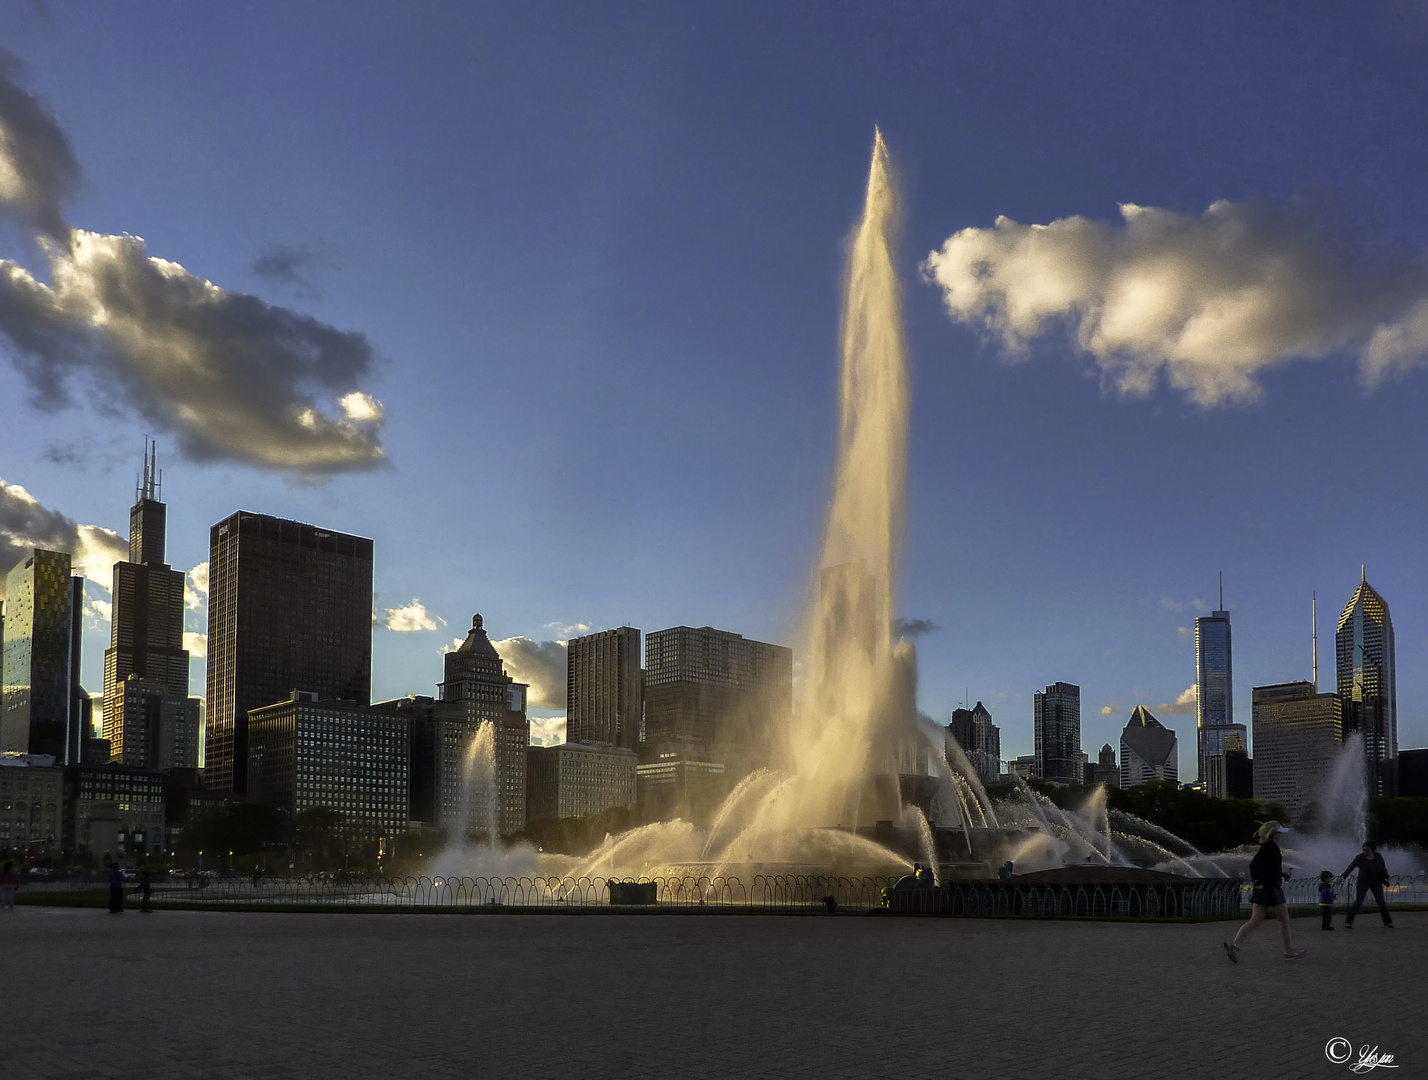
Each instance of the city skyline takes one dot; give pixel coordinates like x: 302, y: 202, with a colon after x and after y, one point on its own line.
x: 677, y: 413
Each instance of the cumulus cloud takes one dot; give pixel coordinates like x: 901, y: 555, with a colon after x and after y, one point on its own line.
x: 231, y: 376
x: 26, y: 524
x: 196, y: 644
x: 95, y: 608
x: 1108, y: 710
x: 547, y: 730
x: 412, y: 618
x: 914, y: 628
x: 1209, y: 302
x: 195, y: 587
x: 38, y: 170
x: 566, y: 631
x: 539, y: 664
x: 1184, y: 705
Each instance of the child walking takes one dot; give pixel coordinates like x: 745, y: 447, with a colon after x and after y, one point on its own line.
x: 1326, y: 899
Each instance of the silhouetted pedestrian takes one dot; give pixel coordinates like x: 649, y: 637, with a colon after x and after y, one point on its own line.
x: 9, y: 882
x: 1268, y: 876
x: 1326, y: 900
x: 116, y: 890
x: 1373, y: 876
x: 145, y: 891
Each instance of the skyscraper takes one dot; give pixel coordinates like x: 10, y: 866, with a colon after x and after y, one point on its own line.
x: 477, y: 691
x: 979, y: 738
x: 1364, y: 651
x: 1214, y: 686
x: 289, y: 607
x: 39, y: 681
x: 1057, y: 720
x: 715, y: 688
x: 604, y: 688
x: 146, y: 642
x: 1297, y: 735
x: 1149, y: 750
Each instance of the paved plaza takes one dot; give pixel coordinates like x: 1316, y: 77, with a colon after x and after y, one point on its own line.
x: 257, y: 995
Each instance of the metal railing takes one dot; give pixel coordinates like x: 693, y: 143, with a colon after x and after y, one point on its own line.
x: 762, y: 892
x: 1196, y: 898
x: 1401, y: 890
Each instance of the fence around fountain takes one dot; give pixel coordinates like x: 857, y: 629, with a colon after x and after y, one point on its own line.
x: 1195, y: 898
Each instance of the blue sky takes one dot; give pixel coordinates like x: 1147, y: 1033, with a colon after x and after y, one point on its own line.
x: 595, y: 253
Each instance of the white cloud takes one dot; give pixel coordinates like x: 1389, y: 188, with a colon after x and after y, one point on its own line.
x: 1184, y: 705
x: 1209, y: 302
x: 361, y: 407
x: 547, y: 730
x: 195, y: 587
x: 1171, y: 605
x: 1186, y: 634
x: 411, y: 618
x: 455, y: 644
x: 231, y: 376
x: 1108, y: 710
x: 539, y: 664
x: 94, y: 608
x: 196, y: 644
x: 566, y: 631
x: 26, y: 524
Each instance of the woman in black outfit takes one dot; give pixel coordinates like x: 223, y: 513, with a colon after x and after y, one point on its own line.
x: 1268, y: 876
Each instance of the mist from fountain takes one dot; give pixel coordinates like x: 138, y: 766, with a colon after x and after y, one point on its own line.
x: 478, y: 815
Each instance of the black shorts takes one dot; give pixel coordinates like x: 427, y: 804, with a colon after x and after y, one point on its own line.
x: 1270, y: 897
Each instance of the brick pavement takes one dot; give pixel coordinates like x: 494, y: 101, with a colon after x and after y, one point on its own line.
x: 253, y: 996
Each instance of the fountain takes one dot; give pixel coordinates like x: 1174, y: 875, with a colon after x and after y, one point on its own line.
x: 477, y: 812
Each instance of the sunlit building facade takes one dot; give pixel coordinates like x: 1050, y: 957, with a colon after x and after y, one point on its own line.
x: 573, y: 779
x: 605, y: 688
x: 979, y: 739
x: 1365, y: 660
x: 1297, y: 735
x: 38, y: 711
x: 307, y: 754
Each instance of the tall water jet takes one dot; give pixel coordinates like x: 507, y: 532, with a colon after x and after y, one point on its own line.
x: 859, y: 720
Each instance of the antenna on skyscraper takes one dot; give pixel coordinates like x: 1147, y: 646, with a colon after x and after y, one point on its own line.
x: 1314, y: 635
x: 1222, y: 590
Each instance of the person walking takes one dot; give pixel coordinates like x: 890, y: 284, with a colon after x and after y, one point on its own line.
x: 1268, y: 876
x: 1326, y: 899
x: 9, y: 882
x: 116, y: 890
x: 145, y: 891
x: 1373, y: 876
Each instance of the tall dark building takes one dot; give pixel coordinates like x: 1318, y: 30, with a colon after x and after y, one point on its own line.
x: 980, y: 740
x: 1057, y: 718
x: 146, y: 629
x: 604, y: 688
x: 1364, y: 651
x: 40, y: 679
x: 714, y: 688
x: 289, y: 607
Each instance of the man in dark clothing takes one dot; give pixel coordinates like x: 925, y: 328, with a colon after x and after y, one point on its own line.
x: 1373, y: 876
x: 116, y: 890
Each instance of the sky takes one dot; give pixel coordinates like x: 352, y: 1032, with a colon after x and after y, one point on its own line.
x: 544, y: 298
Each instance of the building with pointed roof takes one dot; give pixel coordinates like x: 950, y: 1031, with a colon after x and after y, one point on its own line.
x: 1149, y: 750
x: 478, y: 691
x: 146, y: 702
x: 1364, y: 653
